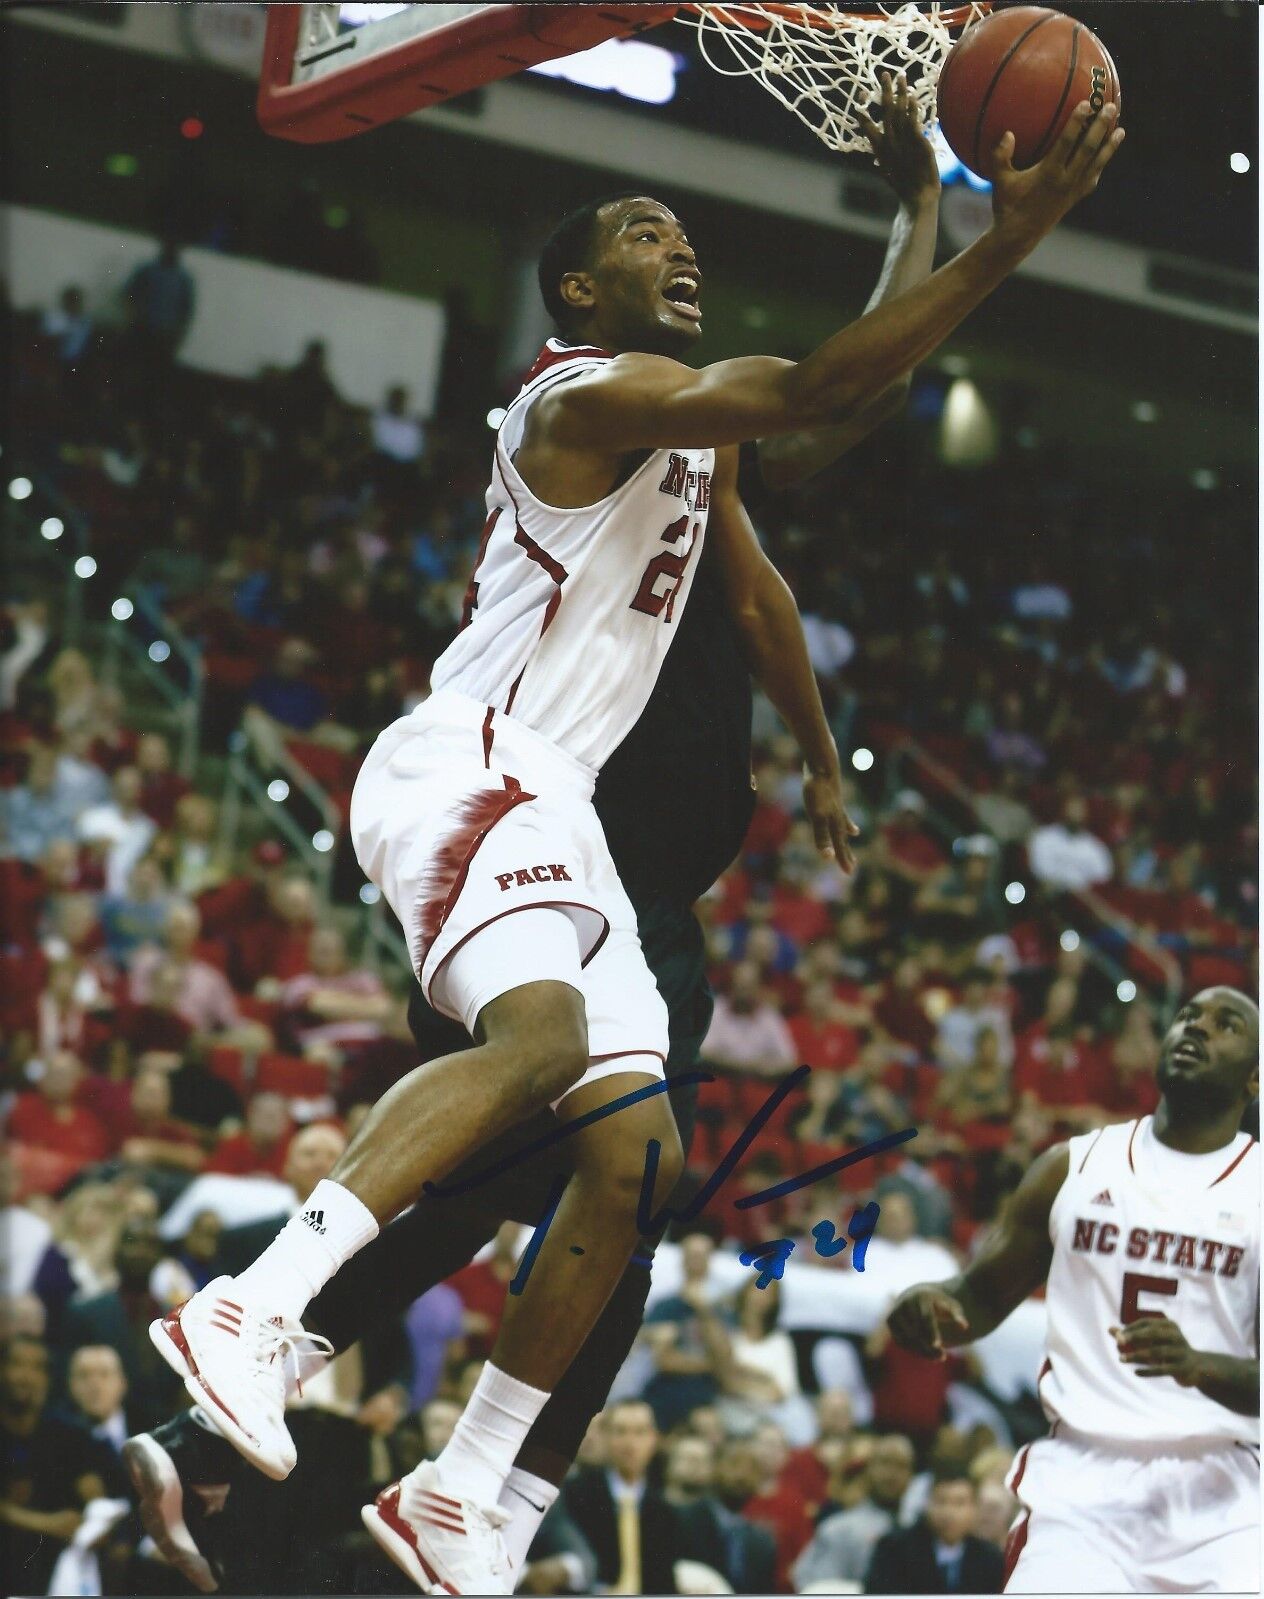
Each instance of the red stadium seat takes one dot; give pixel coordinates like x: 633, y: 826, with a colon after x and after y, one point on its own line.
x: 1212, y: 971
x: 327, y: 766
x: 258, y: 1010
x: 292, y: 1076
x: 980, y: 1137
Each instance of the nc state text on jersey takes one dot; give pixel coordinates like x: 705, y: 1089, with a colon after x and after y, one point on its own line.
x: 694, y: 488
x: 1102, y: 1238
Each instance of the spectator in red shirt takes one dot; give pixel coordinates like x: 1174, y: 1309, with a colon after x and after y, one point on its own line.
x: 204, y: 997
x: 23, y: 886
x: 483, y: 1286
x: 48, y: 1118
x: 808, y: 1470
x: 1057, y: 1066
x: 910, y: 1395
x: 778, y: 1504
x: 151, y: 1137
x: 903, y: 846
x: 76, y: 922
x: 160, y: 786
x: 157, y: 1025
x: 243, y: 899
x: 274, y: 944
x: 821, y: 1039
x: 333, y: 1006
x: 747, y: 1033
x: 900, y: 1012
x: 261, y: 1145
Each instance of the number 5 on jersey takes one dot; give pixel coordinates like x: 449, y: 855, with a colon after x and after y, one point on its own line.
x: 1135, y: 1283
x: 653, y: 597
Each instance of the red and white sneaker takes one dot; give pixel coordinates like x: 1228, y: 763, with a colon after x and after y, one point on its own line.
x: 234, y: 1362
x: 446, y: 1544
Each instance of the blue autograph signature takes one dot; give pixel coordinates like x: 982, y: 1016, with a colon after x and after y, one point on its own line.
x: 770, y: 1258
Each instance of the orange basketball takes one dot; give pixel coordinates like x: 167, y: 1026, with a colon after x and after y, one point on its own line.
x: 1021, y: 71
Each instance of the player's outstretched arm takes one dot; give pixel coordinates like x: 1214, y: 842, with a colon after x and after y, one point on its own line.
x: 767, y: 618
x: 904, y: 157
x: 1157, y: 1347
x: 640, y: 401
x: 1012, y: 1262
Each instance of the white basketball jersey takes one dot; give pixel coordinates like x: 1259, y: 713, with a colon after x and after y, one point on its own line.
x: 1138, y: 1229
x: 569, y: 613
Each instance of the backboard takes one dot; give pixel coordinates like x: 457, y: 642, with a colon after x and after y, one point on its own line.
x: 331, y: 71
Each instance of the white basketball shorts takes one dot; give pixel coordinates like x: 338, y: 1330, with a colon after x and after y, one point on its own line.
x: 465, y: 818
x: 1158, y: 1518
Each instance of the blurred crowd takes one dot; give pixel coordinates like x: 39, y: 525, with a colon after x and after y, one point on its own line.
x: 1054, y: 780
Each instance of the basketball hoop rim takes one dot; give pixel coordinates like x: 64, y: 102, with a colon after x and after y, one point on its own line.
x: 732, y: 16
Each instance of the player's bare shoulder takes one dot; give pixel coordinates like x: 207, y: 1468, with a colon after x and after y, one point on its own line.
x: 581, y: 414
x: 1032, y: 1201
x: 572, y: 451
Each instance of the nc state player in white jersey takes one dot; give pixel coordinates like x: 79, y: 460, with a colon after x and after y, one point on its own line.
x: 474, y: 814
x: 1148, y: 1236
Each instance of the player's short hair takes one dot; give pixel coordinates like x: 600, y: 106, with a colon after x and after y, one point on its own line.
x: 568, y: 249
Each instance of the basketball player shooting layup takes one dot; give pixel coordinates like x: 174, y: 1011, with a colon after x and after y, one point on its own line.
x: 1148, y: 1235
x: 474, y: 816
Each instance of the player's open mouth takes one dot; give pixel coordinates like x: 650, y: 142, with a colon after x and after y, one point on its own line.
x: 1188, y: 1049
x: 682, y: 295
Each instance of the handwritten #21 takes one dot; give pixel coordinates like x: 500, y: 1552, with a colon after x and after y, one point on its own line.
x: 769, y: 1259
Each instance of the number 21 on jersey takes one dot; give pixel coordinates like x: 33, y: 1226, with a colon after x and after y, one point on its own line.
x: 662, y: 578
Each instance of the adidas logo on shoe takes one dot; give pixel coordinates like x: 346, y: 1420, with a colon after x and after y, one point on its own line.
x: 1104, y: 1198
x: 315, y: 1219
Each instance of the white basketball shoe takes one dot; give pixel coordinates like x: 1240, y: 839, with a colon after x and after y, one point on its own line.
x: 446, y: 1544
x: 235, y: 1362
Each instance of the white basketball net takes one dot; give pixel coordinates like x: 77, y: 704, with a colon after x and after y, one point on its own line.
x: 824, y: 62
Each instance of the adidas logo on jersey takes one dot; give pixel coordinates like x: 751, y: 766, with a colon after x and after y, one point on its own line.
x: 1104, y: 1198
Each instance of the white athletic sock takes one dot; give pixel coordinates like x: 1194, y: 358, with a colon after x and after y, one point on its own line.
x: 486, y: 1440
x: 308, y: 1250
x: 527, y: 1498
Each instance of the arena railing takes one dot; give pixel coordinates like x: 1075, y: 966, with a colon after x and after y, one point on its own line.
x: 908, y: 755
x: 148, y: 638
x: 27, y: 549
x: 245, y: 783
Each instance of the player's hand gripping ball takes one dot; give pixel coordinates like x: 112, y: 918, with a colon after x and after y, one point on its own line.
x: 1021, y: 71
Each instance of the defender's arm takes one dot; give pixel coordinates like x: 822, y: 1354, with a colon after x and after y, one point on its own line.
x: 767, y: 618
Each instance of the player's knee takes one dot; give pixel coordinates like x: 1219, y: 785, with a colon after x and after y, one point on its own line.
x: 621, y: 1170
